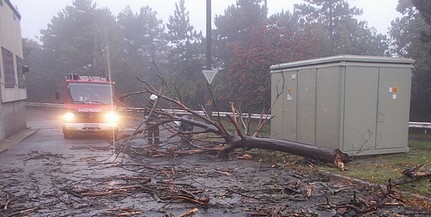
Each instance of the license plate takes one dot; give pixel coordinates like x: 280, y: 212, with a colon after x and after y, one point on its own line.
x: 91, y: 125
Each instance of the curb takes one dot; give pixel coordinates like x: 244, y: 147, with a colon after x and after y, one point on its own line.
x: 15, y: 139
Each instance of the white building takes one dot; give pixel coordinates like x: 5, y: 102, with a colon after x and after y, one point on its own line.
x: 12, y: 78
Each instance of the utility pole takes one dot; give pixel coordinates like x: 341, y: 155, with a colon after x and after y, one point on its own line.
x: 208, y: 35
x: 208, y: 98
x: 266, y: 8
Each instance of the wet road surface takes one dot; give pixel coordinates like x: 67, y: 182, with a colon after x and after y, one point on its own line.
x: 47, y: 175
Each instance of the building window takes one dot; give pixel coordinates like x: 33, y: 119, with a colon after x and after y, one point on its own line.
x: 8, y: 68
x: 20, y: 72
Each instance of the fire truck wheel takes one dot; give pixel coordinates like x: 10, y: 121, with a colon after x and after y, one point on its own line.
x: 67, y: 135
x: 113, y: 135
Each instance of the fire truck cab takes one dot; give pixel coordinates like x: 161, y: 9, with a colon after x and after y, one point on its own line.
x: 89, y: 106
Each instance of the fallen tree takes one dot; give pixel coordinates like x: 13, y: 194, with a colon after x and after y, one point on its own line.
x: 206, y: 124
x: 416, y: 172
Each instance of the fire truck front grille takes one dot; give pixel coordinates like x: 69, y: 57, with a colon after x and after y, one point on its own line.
x: 89, y: 117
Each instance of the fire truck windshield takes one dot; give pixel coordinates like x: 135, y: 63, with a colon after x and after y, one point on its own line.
x: 88, y: 93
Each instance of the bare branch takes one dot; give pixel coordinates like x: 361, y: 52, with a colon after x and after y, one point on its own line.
x: 231, y: 140
x: 238, y: 131
x: 263, y: 121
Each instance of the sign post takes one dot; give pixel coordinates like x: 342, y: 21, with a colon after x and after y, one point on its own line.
x: 209, y: 75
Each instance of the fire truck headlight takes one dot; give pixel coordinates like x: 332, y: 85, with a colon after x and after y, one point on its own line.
x: 112, y: 117
x: 69, y: 117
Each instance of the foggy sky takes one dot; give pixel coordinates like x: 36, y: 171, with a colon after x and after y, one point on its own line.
x: 37, y: 14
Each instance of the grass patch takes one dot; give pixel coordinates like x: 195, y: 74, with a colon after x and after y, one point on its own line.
x: 380, y: 168
x: 420, y: 145
x: 375, y: 169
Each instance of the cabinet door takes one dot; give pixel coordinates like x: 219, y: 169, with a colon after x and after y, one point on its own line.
x: 360, y: 109
x: 283, y: 125
x: 328, y: 106
x: 277, y: 110
x: 306, y: 122
x: 394, y: 108
x: 290, y: 105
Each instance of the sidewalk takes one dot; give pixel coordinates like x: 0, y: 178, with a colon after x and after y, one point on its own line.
x: 15, y: 139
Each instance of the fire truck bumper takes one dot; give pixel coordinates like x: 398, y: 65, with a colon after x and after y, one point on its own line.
x: 89, y: 128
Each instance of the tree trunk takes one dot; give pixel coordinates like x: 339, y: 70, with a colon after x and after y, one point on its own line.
x: 414, y: 172
x: 319, y: 153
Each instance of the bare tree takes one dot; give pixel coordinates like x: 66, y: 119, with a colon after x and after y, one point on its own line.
x: 225, y: 140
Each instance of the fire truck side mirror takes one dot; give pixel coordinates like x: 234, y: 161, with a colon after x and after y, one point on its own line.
x: 57, y: 95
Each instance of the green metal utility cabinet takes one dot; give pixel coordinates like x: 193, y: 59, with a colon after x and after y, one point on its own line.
x: 358, y: 104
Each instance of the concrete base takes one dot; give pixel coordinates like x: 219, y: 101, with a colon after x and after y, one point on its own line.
x: 377, y: 151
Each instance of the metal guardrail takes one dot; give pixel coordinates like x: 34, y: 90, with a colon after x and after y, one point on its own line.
x: 172, y: 111
x: 423, y: 125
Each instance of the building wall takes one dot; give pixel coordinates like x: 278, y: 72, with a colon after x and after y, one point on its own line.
x: 12, y: 80
x: 13, y: 118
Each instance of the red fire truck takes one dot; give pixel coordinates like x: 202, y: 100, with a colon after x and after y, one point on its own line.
x: 89, y: 105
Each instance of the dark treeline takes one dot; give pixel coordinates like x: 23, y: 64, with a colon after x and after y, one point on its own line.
x: 88, y: 40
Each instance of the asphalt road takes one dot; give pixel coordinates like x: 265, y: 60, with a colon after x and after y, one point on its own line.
x: 36, y: 164
x: 43, y: 174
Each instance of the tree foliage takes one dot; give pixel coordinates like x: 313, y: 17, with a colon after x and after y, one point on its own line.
x: 143, y: 45
x: 424, y: 8
x: 85, y: 39
x: 37, y: 84
x: 319, y: 28
x: 340, y: 31
x: 266, y: 45
x: 75, y: 32
x: 234, y: 26
x: 408, y: 35
x: 75, y: 42
x: 331, y: 13
x: 186, y: 57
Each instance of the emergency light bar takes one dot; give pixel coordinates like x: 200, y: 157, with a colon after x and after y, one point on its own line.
x: 93, y: 78
x: 72, y: 76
